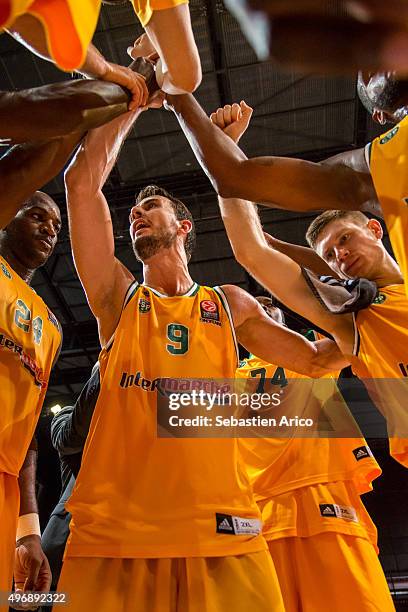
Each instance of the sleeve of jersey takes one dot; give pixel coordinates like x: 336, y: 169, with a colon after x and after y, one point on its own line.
x: 144, y: 8
x: 69, y: 26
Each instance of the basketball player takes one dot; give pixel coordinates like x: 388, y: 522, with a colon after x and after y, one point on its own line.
x: 62, y: 31
x: 351, y: 246
x: 153, y: 534
x: 350, y: 181
x: 353, y: 34
x: 30, y: 338
x: 308, y: 489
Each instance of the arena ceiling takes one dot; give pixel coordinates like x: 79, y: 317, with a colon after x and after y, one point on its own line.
x: 300, y: 115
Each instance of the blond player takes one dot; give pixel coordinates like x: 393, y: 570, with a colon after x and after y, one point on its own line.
x: 149, y: 512
x: 320, y: 536
x: 375, y: 338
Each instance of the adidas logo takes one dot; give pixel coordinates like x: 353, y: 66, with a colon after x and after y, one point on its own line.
x: 327, y: 510
x: 225, y: 525
x: 362, y: 452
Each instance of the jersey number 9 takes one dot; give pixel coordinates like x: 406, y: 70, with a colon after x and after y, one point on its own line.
x: 178, y: 335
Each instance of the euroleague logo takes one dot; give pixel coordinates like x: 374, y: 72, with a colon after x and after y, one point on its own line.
x: 209, y: 312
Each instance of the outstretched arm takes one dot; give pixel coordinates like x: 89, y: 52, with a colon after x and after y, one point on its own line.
x: 31, y: 568
x: 170, y: 35
x: 287, y: 183
x: 304, y: 256
x: 104, y: 278
x: 59, y: 109
x: 276, y: 272
x: 27, y: 167
x: 274, y: 343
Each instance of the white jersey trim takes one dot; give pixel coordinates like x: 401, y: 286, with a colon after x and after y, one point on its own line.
x: 128, y: 296
x: 356, y: 345
x: 367, y: 154
x: 224, y: 301
x: 192, y: 289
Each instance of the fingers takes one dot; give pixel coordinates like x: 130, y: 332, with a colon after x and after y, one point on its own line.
x: 142, y: 47
x: 225, y: 116
x: 246, y: 113
x: 220, y: 118
x: 236, y: 112
x: 140, y: 94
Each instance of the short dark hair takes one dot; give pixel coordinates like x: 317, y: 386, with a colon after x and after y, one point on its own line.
x: 180, y: 210
x: 317, y: 225
x: 363, y: 95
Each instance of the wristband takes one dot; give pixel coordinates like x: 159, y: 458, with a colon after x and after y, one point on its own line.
x: 28, y: 524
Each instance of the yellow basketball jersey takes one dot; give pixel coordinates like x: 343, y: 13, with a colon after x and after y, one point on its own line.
x: 140, y: 495
x: 29, y: 340
x: 334, y: 507
x: 388, y: 165
x: 381, y: 361
x: 69, y: 25
x: 278, y: 465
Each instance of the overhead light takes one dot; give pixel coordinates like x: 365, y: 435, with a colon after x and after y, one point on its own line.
x: 56, y: 409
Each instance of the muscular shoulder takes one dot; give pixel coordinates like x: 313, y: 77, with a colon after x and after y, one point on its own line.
x: 243, y: 305
x: 355, y: 159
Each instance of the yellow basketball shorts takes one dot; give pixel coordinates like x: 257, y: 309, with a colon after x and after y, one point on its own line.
x: 195, y: 584
x: 9, y: 508
x: 330, y: 571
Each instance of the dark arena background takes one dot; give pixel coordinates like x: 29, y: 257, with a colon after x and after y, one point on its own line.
x: 299, y: 115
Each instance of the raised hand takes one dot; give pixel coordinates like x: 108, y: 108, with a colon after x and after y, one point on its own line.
x: 143, y: 47
x: 133, y: 81
x: 233, y: 120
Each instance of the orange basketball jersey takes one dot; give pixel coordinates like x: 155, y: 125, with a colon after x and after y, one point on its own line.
x: 69, y: 25
x: 388, y: 166
x: 29, y: 341
x: 139, y: 495
x: 279, y: 465
x: 381, y: 361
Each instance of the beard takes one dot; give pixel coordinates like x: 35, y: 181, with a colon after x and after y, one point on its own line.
x: 146, y: 246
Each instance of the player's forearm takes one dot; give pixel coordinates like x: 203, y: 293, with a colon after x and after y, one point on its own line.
x: 89, y: 216
x: 97, y: 155
x: 59, y: 109
x: 328, y: 358
x: 244, y: 232
x: 304, y: 256
x: 26, y: 483
x: 27, y: 167
x: 275, y: 271
x: 95, y: 65
x: 218, y: 155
